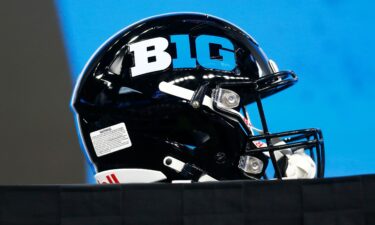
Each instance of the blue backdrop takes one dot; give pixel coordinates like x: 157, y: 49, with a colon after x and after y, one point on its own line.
x: 329, y: 44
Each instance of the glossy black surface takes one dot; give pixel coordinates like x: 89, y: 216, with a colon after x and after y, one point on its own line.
x: 162, y: 125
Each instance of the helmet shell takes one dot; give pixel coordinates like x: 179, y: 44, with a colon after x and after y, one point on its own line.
x: 159, y: 125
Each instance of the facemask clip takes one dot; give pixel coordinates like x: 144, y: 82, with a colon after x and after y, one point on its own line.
x: 250, y: 164
x: 226, y: 98
x: 198, y: 96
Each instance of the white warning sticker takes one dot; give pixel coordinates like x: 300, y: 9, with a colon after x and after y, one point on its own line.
x: 110, y: 139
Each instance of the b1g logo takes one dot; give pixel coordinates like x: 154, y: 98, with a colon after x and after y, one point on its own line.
x: 150, y: 55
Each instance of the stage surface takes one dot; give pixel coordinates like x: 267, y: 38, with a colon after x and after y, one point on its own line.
x: 333, y: 201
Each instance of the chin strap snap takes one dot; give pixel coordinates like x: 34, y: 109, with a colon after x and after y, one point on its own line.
x: 189, y: 171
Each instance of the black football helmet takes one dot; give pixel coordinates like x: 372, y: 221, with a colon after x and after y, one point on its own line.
x: 165, y: 100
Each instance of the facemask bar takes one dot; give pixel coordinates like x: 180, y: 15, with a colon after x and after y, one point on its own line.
x: 263, y: 87
x: 296, y: 140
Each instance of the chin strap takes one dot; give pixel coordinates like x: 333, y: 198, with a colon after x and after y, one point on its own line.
x: 187, y: 170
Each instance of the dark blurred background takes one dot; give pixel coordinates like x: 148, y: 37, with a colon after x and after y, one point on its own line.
x: 45, y: 44
x: 38, y: 143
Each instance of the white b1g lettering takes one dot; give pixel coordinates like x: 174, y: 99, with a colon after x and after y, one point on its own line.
x: 151, y: 55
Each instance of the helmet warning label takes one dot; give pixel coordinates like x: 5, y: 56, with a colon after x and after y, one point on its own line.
x: 110, y: 139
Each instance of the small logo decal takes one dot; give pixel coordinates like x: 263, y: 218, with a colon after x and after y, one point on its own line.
x: 111, y: 179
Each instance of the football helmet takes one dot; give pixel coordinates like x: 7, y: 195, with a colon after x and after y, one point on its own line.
x: 165, y: 99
